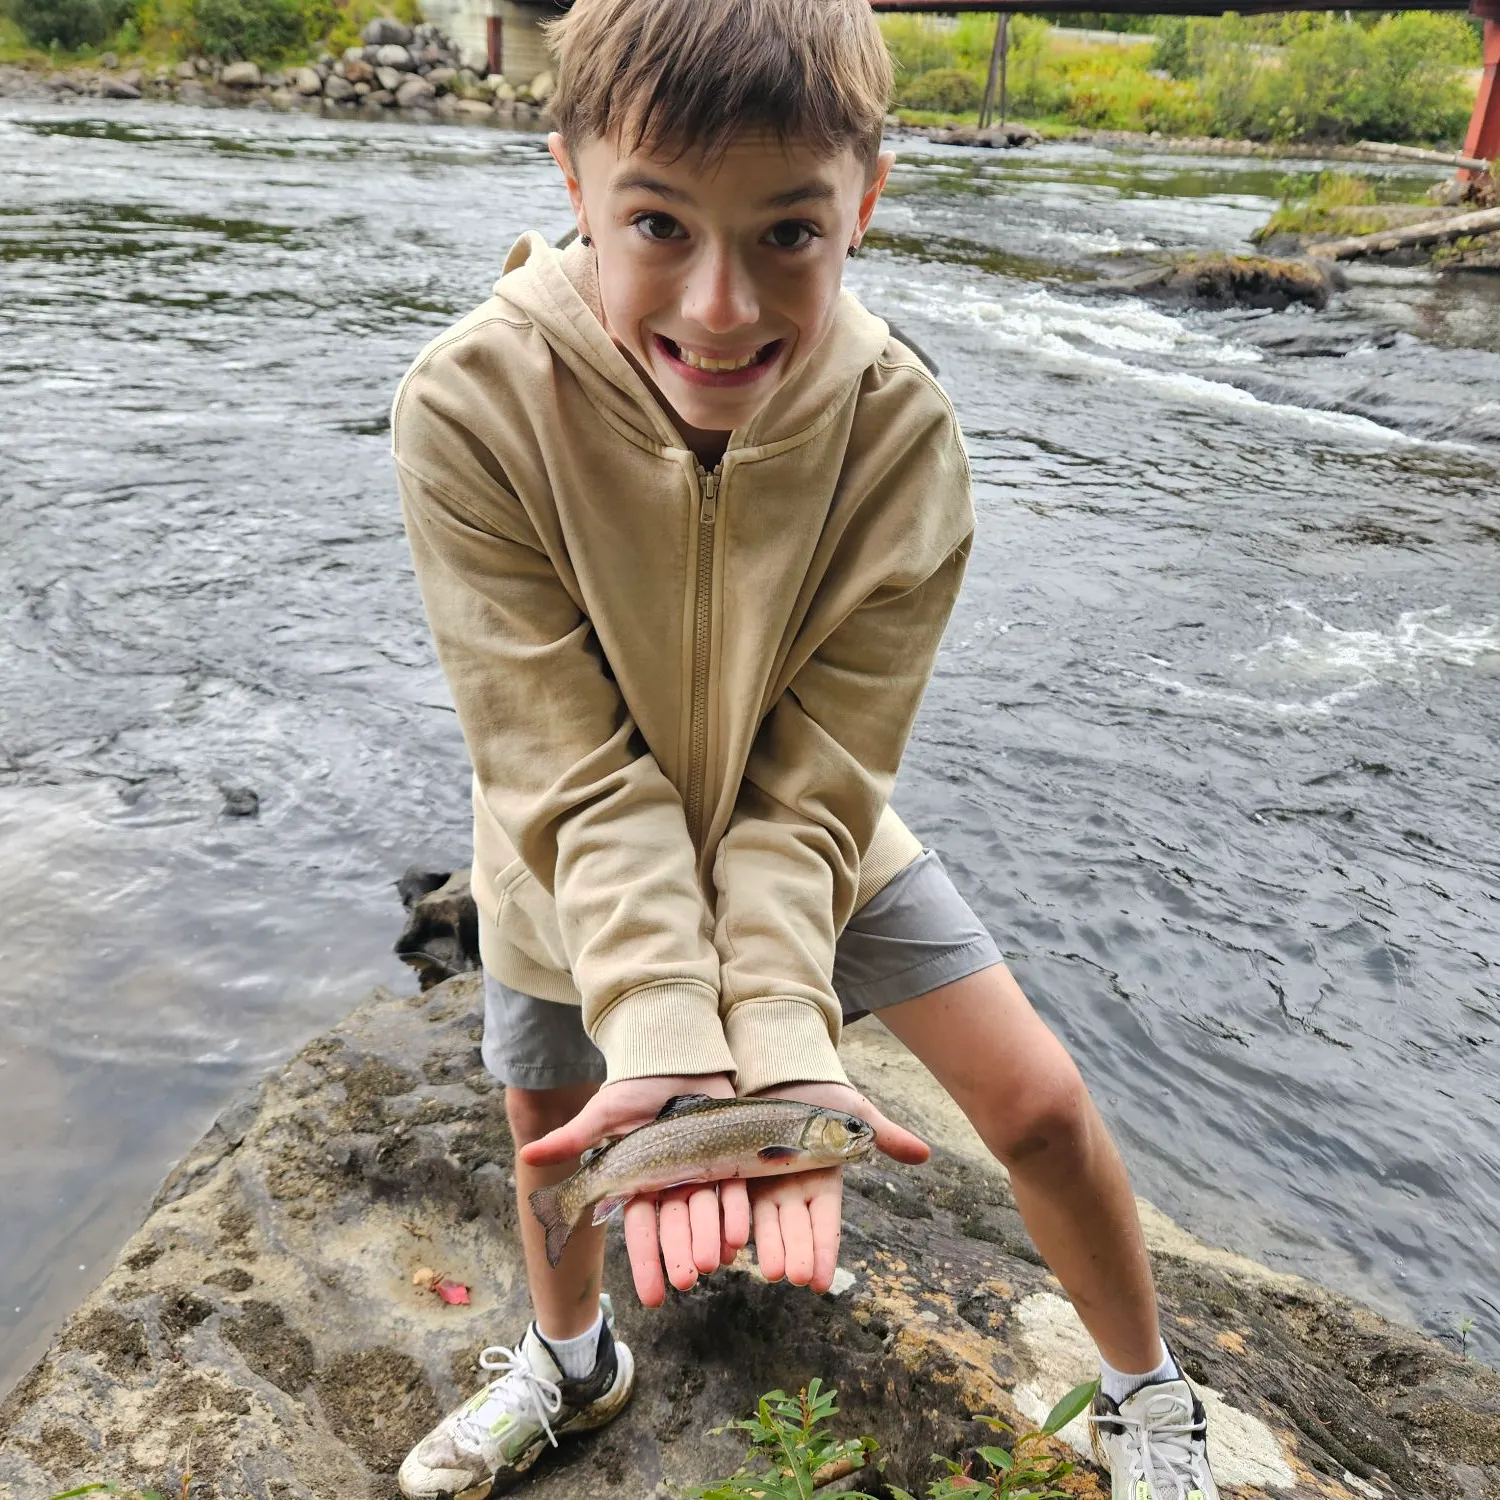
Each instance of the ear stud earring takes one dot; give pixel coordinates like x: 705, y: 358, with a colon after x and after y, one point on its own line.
x: 585, y: 239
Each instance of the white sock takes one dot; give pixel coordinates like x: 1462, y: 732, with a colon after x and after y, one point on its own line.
x: 1117, y: 1385
x: 575, y: 1357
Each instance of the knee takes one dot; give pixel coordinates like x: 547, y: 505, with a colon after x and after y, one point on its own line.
x: 534, y: 1112
x: 1049, y: 1116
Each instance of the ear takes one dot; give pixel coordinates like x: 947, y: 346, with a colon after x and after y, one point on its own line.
x: 559, y: 149
x: 883, y: 164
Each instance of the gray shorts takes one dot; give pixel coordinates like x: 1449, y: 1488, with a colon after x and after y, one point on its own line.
x: 913, y: 936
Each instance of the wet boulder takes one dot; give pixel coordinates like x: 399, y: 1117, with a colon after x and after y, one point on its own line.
x: 271, y: 1327
x: 1220, y: 281
x: 241, y: 75
x: 995, y: 137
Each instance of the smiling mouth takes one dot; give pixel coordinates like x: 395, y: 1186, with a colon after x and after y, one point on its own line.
x: 712, y: 365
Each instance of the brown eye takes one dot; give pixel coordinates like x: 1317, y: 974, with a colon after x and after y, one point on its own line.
x: 658, y: 226
x: 791, y: 234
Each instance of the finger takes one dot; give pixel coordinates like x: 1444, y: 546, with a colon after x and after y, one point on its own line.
x: 768, y: 1247
x: 797, y: 1239
x: 826, y: 1212
x: 734, y: 1206
x: 703, y: 1215
x: 676, y: 1232
x: 895, y: 1140
x: 645, y: 1251
x: 568, y: 1142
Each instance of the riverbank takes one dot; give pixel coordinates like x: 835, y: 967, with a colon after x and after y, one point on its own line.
x: 415, y: 70
x: 271, y: 1326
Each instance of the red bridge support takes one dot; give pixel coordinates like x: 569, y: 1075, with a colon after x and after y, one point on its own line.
x: 1483, y: 139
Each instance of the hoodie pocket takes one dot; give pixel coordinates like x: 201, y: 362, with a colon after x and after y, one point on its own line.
x: 527, y: 918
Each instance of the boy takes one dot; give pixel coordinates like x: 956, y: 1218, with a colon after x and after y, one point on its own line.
x: 688, y: 525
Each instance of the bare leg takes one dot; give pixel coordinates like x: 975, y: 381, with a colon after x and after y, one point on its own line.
x: 995, y: 1056
x: 565, y: 1297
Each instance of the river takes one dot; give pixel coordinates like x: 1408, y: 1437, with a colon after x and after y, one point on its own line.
x: 1212, y: 743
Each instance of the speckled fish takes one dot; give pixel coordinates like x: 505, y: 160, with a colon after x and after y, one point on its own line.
x: 698, y: 1139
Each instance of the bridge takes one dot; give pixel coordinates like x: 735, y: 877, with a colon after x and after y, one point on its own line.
x: 506, y: 34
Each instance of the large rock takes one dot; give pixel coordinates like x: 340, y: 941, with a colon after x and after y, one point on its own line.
x: 265, y: 1321
x: 1235, y: 281
x: 305, y: 81
x: 390, y: 79
x: 241, y: 75
x: 395, y: 57
x: 414, y: 93
x: 386, y: 32
x: 359, y: 71
x: 338, y: 89
x: 118, y: 88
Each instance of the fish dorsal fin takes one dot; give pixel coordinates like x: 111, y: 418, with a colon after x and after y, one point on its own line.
x: 591, y: 1154
x: 680, y: 1104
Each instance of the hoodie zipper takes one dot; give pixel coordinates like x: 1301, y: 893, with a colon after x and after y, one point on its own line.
x: 708, y: 506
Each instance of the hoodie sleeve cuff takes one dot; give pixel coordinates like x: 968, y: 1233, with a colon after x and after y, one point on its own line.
x: 777, y: 1040
x: 663, y: 1030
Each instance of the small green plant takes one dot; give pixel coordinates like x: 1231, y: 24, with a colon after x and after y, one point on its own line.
x: 1464, y: 1329
x: 1024, y: 1471
x: 792, y: 1453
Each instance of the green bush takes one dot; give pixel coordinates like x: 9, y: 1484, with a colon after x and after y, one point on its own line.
x: 1170, y: 53
x: 261, y: 29
x: 69, y: 24
x: 951, y: 90
x: 1394, y: 79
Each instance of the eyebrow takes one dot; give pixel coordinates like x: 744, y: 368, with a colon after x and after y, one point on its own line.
x: 807, y: 192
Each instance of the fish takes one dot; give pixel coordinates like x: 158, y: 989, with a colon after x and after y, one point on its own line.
x: 698, y: 1139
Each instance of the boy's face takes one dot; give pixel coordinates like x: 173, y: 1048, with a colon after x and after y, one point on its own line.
x: 719, y: 279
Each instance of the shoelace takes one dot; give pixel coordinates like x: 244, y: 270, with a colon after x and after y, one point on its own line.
x: 1163, y: 1457
x: 516, y: 1386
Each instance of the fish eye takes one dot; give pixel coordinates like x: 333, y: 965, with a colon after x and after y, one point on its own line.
x: 855, y: 1126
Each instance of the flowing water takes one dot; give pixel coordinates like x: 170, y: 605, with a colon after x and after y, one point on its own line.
x: 1212, y: 743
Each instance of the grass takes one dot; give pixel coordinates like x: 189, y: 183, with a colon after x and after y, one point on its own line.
x: 1337, y: 203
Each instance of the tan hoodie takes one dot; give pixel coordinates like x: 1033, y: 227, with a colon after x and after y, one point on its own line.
x: 685, y: 694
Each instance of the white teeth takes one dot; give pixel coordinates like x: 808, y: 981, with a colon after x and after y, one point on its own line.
x: 703, y: 362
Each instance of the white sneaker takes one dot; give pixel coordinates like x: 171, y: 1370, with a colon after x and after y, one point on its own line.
x: 1155, y: 1443
x: 489, y: 1442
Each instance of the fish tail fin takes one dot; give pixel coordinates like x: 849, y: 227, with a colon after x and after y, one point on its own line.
x: 547, y: 1205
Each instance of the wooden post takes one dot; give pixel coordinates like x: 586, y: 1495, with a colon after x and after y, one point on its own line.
x: 997, y: 52
x: 1004, y: 61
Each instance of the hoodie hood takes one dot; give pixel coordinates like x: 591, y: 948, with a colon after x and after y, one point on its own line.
x: 558, y: 291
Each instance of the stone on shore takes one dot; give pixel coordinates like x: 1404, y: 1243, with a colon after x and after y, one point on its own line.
x: 118, y: 88
x: 414, y: 93
x: 264, y: 1326
x: 390, y: 79
x: 240, y: 75
x: 1220, y: 281
x: 993, y: 136
x: 395, y: 57
x: 338, y: 89
x: 359, y: 71
x: 383, y: 31
x: 305, y: 81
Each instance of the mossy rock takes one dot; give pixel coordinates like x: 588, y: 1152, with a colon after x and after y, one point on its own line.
x: 1219, y: 281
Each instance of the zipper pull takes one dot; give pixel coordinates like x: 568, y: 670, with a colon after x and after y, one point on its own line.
x: 710, y: 499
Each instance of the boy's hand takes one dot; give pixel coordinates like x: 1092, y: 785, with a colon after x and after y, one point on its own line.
x: 799, y: 1217
x: 692, y: 1230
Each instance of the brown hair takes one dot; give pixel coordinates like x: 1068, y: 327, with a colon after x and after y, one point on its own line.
x: 690, y: 75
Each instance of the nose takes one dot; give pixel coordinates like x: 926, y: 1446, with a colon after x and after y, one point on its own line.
x: 720, y: 295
